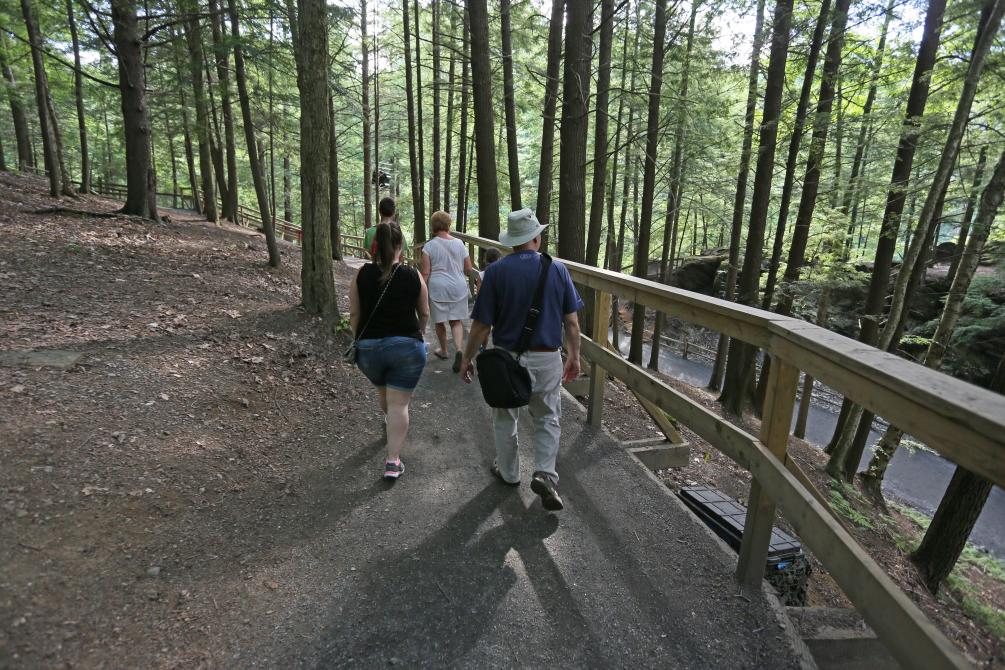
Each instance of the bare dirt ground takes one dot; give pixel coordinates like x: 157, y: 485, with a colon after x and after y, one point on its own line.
x: 143, y: 490
x: 145, y: 493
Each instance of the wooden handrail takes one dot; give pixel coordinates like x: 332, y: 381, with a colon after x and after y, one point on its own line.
x: 961, y: 421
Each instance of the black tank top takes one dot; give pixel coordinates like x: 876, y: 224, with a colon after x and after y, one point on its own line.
x: 395, y: 316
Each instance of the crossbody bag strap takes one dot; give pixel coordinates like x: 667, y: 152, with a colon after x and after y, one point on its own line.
x: 530, y: 324
x: 377, y: 304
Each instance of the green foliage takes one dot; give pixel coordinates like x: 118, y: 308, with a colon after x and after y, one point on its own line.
x: 841, y: 497
x: 960, y: 585
x: 979, y: 340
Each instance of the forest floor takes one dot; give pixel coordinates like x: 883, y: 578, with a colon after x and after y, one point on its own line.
x: 202, y: 392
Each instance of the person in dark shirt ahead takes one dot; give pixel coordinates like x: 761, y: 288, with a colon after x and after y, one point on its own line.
x: 388, y: 311
x: 506, y: 294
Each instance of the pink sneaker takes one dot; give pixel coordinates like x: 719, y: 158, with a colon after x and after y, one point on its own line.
x: 393, y: 469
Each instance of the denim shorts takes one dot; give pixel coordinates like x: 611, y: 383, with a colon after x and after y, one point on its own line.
x: 395, y: 362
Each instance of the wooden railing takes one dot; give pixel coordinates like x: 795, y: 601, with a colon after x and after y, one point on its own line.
x: 964, y: 423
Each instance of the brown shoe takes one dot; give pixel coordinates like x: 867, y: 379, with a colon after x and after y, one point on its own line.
x: 543, y: 486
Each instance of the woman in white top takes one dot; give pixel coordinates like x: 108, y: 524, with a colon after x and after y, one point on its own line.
x: 445, y: 264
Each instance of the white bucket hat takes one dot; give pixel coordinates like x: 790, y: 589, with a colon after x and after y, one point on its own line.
x: 521, y: 227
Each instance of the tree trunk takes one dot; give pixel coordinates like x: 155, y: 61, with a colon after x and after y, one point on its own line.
x: 739, y: 368
x: 434, y: 190
x: 991, y: 18
x: 792, y: 161
x: 174, y: 164
x: 450, y: 112
x: 611, y: 246
x: 334, y: 216
x: 485, y: 150
x: 675, y: 190
x: 806, y: 399
x: 220, y: 49
x: 509, y: 105
x: 544, y: 174
x: 818, y: 145
x: 316, y: 279
x: 641, y: 265
x: 968, y: 214
x: 575, y: 119
x: 368, y: 166
x: 850, y: 445
x: 846, y: 454
x: 419, y: 228
x: 254, y: 157
x: 141, y: 183
x: 78, y: 94
x: 955, y: 518
x: 49, y: 148
x: 194, y: 40
x: 990, y: 202
x: 886, y: 245
x: 420, y: 137
x: 463, y: 149
x: 186, y: 125
x: 740, y: 196
x: 951, y: 526
x: 598, y: 191
x: 287, y: 189
x: 858, y: 162
x: 21, y: 134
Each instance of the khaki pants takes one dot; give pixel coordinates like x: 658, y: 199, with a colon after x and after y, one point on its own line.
x: 545, y: 410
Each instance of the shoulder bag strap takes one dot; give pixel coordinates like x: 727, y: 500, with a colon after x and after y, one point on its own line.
x: 377, y: 304
x: 530, y: 325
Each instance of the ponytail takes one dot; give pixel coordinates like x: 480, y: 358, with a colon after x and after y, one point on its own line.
x: 388, y: 241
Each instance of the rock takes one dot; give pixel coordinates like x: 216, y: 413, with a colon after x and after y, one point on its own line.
x: 153, y: 571
x: 697, y: 274
x: 17, y: 388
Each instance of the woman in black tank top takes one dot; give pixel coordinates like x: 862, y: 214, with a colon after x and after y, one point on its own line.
x: 388, y: 311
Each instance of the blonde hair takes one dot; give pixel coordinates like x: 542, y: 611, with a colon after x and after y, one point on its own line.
x: 440, y: 222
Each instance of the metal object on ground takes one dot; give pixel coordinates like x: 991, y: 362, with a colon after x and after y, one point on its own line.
x: 787, y: 568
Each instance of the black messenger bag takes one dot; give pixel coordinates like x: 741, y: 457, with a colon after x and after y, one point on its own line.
x: 506, y: 383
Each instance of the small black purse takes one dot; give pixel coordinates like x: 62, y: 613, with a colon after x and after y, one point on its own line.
x: 505, y: 383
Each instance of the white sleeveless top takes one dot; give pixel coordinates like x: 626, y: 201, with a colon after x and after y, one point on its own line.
x: 446, y: 264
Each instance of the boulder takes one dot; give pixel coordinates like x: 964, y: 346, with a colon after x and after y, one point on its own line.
x: 697, y: 273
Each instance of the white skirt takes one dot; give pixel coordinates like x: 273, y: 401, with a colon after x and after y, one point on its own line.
x: 442, y: 311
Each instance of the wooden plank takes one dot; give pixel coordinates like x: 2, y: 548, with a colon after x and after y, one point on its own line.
x: 731, y: 440
x: 912, y: 639
x: 909, y: 636
x: 598, y: 376
x: 666, y: 426
x: 778, y: 407
x: 959, y: 420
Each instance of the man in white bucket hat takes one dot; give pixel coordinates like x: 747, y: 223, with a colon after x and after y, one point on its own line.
x: 501, y: 307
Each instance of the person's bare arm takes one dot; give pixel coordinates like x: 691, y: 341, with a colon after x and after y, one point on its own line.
x: 422, y: 304
x: 426, y: 267
x: 469, y: 270
x: 571, y: 370
x: 354, y: 305
x: 479, y: 331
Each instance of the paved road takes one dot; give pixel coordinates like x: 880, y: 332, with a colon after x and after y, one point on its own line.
x: 447, y: 568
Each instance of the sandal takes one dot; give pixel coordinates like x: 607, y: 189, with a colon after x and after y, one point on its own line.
x: 442, y: 355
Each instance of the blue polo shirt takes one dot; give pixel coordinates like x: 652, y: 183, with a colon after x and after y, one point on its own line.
x: 507, y: 291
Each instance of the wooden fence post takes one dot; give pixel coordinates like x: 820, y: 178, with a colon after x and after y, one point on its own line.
x: 778, y: 405
x: 598, y: 376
